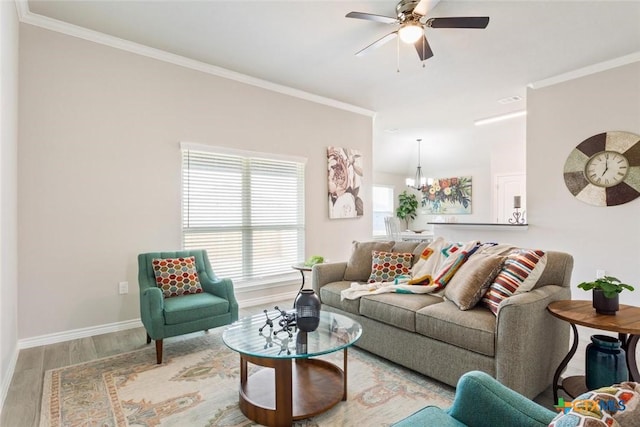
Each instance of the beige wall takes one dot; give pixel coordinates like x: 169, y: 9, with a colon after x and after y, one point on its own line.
x: 99, y: 169
x: 8, y: 193
x: 559, y: 118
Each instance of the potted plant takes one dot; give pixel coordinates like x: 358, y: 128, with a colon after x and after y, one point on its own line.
x: 407, y: 207
x: 605, y: 293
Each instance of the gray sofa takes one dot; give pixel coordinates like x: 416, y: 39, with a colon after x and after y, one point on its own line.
x: 521, y: 347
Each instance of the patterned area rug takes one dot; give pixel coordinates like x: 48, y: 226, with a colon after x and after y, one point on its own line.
x: 197, y: 385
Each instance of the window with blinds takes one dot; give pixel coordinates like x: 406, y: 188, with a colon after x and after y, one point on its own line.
x: 246, y: 210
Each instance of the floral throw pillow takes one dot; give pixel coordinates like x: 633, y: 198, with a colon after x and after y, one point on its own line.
x: 386, y: 266
x: 176, y: 276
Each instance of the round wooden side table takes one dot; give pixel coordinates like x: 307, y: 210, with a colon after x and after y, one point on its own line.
x: 626, y: 322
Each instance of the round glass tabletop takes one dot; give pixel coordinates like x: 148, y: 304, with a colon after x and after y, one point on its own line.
x: 253, y: 336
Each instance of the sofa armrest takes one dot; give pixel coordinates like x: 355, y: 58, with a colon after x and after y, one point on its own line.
x: 530, y: 342
x: 322, y: 274
x: 481, y: 401
x: 222, y: 288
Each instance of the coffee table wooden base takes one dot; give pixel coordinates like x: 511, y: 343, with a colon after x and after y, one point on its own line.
x: 293, y: 389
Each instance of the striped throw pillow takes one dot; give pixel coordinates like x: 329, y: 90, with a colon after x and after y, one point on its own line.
x: 519, y: 274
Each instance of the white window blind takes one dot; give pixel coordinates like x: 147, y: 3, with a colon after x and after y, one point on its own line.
x: 247, y: 211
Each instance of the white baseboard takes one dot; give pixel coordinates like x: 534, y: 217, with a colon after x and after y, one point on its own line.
x: 6, y: 380
x: 78, y: 333
x: 127, y: 324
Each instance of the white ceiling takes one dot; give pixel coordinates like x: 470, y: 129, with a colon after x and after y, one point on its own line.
x: 310, y: 45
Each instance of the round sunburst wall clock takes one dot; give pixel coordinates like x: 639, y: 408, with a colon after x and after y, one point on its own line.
x: 604, y: 170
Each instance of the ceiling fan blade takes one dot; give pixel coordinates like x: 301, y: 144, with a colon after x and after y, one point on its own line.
x: 378, y: 43
x: 462, y: 22
x: 425, y: 6
x: 423, y: 49
x: 372, y: 17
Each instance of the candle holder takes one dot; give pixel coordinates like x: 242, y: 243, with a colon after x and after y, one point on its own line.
x: 518, y: 217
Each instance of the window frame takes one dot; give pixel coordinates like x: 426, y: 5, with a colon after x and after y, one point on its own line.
x: 246, y: 280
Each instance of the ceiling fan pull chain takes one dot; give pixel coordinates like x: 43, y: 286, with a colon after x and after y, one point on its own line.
x: 398, y: 54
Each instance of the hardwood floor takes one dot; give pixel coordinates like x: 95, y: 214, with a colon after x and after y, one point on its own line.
x: 22, y: 405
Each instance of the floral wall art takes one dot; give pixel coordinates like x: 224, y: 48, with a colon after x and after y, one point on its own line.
x: 451, y: 196
x: 345, y: 178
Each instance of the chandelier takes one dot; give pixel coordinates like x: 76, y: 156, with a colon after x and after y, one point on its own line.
x: 419, y: 180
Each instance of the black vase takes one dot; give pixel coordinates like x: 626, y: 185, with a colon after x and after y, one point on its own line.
x: 604, y: 305
x: 605, y: 362
x: 307, y: 310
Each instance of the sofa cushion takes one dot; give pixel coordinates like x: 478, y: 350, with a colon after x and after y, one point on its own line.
x: 405, y: 246
x: 472, y: 280
x: 473, y: 329
x: 519, y: 274
x: 386, y: 266
x: 359, y: 265
x: 193, y: 307
x: 330, y: 295
x: 396, y: 309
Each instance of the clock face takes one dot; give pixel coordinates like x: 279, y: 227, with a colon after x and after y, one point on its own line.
x: 604, y: 170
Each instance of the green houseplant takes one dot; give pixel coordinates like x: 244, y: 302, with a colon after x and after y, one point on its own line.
x: 408, y: 206
x: 605, y: 293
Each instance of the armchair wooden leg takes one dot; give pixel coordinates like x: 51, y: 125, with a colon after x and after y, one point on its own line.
x: 148, y: 339
x: 159, y: 351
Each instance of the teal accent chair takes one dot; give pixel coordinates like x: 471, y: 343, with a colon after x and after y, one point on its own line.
x: 481, y: 401
x: 170, y: 317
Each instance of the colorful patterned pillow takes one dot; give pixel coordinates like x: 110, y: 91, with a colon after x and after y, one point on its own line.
x: 176, y: 276
x: 359, y: 265
x: 615, y: 406
x: 386, y: 266
x: 519, y: 274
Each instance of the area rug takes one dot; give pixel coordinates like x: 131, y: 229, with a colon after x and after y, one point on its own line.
x: 197, y: 385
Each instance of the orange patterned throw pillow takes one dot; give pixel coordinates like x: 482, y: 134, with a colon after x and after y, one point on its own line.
x: 386, y: 266
x: 177, y: 276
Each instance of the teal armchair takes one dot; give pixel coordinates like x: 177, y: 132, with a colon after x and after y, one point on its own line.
x: 481, y: 401
x: 170, y: 317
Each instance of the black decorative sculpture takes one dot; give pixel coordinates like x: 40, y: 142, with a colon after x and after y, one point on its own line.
x: 287, y: 322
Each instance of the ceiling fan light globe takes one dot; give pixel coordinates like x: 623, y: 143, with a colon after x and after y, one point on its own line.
x: 410, y: 33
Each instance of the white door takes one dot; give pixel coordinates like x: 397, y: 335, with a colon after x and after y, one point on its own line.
x: 507, y: 188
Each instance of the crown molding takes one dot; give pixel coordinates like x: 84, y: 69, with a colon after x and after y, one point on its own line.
x: 585, y: 71
x: 27, y: 17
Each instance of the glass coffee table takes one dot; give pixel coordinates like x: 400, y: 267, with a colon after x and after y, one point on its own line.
x: 298, y: 385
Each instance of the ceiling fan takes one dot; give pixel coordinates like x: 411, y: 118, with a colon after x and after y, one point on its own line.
x: 411, y: 17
